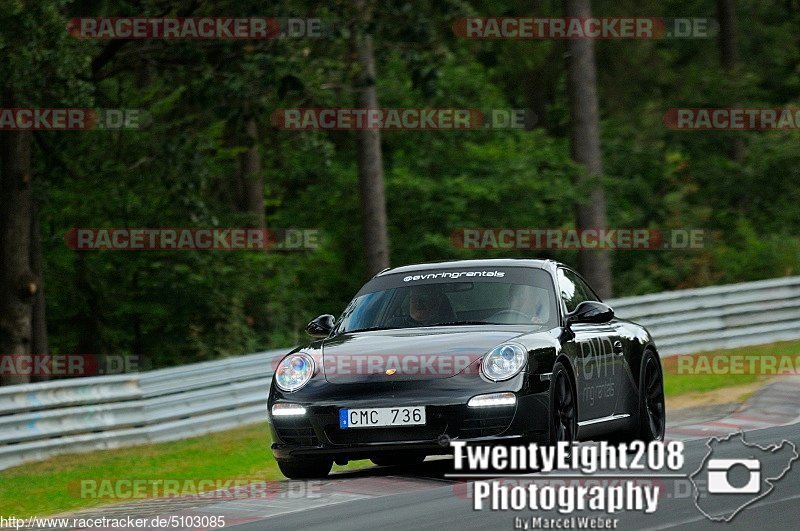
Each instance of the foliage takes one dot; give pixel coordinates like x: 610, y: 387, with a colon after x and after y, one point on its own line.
x: 176, y: 307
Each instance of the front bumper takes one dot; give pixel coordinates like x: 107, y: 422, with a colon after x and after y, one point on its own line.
x: 448, y: 418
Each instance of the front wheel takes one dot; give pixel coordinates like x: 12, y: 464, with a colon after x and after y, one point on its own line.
x: 563, y: 414
x: 305, y: 468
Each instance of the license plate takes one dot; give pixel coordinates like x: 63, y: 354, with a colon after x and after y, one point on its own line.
x: 381, y: 416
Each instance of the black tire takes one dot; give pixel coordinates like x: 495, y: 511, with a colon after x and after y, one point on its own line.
x: 563, y: 406
x: 398, y: 460
x: 652, y: 412
x: 651, y: 401
x: 305, y: 468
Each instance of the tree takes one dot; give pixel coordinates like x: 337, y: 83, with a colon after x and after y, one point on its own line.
x: 729, y: 56
x: 39, y: 343
x: 18, y: 286
x: 370, y: 166
x: 39, y: 69
x: 585, y: 148
x: 250, y: 183
x: 728, y: 47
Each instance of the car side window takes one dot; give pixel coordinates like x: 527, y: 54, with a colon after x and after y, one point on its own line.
x: 587, y: 291
x: 573, y: 290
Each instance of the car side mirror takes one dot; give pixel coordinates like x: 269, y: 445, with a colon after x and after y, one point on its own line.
x: 590, y: 312
x: 322, y: 326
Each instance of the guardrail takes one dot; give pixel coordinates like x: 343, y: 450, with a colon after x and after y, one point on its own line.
x: 49, y: 418
x: 82, y: 414
x: 718, y: 317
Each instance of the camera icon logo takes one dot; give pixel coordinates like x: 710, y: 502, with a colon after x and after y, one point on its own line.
x: 718, y: 482
x: 735, y: 473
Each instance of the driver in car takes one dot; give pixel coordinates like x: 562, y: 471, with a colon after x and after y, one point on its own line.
x: 427, y: 306
x: 525, y: 303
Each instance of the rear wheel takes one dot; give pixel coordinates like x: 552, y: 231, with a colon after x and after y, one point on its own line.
x: 563, y: 414
x: 652, y: 413
x: 305, y: 467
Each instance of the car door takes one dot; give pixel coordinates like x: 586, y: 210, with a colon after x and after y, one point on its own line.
x: 594, y: 351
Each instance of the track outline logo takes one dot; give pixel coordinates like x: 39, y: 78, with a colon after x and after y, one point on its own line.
x: 769, y: 480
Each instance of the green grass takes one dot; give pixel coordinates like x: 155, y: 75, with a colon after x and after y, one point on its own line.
x: 51, y: 486
x: 677, y: 384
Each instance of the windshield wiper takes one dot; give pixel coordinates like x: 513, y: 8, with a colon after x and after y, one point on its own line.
x: 370, y: 329
x: 456, y: 323
x: 449, y: 323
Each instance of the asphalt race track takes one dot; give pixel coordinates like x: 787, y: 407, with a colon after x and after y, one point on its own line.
x: 441, y: 508
x: 425, y: 498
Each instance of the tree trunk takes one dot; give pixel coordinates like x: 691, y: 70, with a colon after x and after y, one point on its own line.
x: 18, y: 285
x: 370, y: 169
x: 585, y: 147
x: 728, y: 47
x: 89, y: 326
x: 539, y: 88
x: 536, y: 95
x: 729, y: 57
x: 39, y: 344
x: 250, y: 180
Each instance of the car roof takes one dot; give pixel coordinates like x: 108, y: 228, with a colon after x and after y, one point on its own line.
x: 548, y: 265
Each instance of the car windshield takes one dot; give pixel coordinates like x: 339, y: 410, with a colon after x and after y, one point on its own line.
x: 511, y: 296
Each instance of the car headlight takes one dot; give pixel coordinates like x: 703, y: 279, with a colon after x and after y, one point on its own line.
x: 504, y: 361
x: 294, y: 371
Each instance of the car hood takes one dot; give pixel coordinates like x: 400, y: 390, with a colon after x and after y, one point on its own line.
x: 410, y: 353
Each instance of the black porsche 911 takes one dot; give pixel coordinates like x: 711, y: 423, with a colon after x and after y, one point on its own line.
x: 502, y: 351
